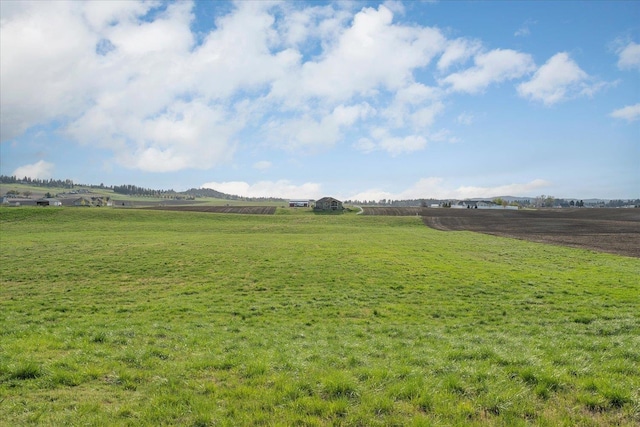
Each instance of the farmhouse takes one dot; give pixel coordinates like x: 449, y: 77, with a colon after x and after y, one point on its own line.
x: 48, y: 202
x: 328, y: 204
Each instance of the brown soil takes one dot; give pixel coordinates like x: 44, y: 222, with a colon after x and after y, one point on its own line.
x: 606, y: 230
x: 255, y: 210
x: 391, y: 211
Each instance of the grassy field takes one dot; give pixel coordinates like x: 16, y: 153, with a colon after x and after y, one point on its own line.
x: 129, y: 317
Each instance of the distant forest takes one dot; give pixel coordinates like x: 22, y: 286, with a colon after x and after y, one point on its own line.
x: 134, y: 190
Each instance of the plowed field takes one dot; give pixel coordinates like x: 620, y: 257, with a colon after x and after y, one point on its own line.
x: 391, y: 211
x: 254, y: 210
x: 607, y: 230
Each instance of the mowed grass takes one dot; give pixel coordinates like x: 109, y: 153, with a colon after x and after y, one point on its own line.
x: 127, y: 317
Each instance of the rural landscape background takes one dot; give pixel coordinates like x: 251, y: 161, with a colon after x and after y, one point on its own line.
x: 137, y: 316
x: 162, y: 261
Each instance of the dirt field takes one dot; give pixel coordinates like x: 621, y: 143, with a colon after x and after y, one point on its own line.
x: 256, y: 210
x: 606, y: 230
x: 391, y: 211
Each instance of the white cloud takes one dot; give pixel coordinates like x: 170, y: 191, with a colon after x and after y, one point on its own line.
x: 443, y: 135
x: 38, y: 170
x: 465, y: 119
x: 371, y: 54
x: 281, y: 189
x: 558, y: 79
x: 44, y: 70
x: 629, y: 113
x: 307, y: 132
x: 435, y: 187
x: 325, y: 23
x: 423, y: 118
x: 416, y: 104
x: 101, y: 14
x: 144, y: 89
x: 186, y: 135
x: 262, y: 165
x: 525, y: 29
x: 381, y: 139
x: 458, y: 51
x: 629, y: 56
x: 398, y: 145
x: 495, y: 66
x: 133, y: 78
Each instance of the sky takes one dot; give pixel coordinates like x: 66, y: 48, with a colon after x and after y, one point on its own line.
x: 354, y: 100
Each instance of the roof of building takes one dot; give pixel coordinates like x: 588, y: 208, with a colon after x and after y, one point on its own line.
x: 328, y: 199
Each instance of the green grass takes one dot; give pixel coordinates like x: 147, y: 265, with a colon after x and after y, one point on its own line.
x: 128, y: 317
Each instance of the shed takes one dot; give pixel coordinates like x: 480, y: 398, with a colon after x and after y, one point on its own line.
x: 299, y: 203
x: 48, y: 202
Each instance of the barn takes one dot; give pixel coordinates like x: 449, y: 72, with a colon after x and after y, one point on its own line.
x: 328, y: 204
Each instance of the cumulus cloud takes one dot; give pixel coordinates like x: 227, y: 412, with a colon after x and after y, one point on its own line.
x: 44, y: 69
x: 558, y: 79
x: 310, y: 132
x: 281, y: 189
x: 629, y: 56
x: 629, y: 113
x: 437, y: 188
x: 131, y: 76
x: 370, y: 55
x: 38, y: 170
x: 416, y: 105
x: 491, y: 67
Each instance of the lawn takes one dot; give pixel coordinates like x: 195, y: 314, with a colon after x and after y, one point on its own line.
x: 132, y: 317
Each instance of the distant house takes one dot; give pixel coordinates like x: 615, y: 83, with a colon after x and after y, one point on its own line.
x: 328, y: 204
x: 482, y: 204
x: 48, y: 202
x: 82, y: 201
x: 488, y: 205
x: 101, y: 201
x: 6, y: 201
x: 465, y: 204
x: 299, y: 203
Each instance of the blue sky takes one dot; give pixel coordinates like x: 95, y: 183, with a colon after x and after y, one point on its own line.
x: 357, y: 100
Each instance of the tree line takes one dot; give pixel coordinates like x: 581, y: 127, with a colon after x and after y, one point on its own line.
x: 36, y: 182
x: 134, y: 190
